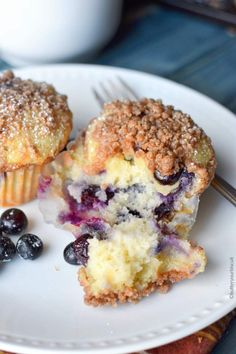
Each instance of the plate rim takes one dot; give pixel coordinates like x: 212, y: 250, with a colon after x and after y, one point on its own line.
x: 21, y: 345
x: 143, y: 341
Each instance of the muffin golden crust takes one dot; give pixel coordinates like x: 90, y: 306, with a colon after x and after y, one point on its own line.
x: 35, y: 122
x: 166, y: 138
x: 109, y: 297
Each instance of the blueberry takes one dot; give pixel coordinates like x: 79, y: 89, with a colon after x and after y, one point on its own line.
x: 13, y: 221
x: 123, y: 215
x: 134, y: 212
x: 1, y: 227
x: 110, y: 193
x: 161, y: 211
x: 29, y: 246
x: 77, y: 252
x: 70, y: 255
x: 172, y: 179
x: 7, y: 249
x: 88, y: 196
x: 136, y: 188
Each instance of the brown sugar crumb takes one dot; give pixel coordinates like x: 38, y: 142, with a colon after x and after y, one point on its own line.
x: 109, y: 297
x: 165, y: 137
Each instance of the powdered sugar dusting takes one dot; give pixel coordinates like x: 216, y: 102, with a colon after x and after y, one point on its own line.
x: 32, y: 110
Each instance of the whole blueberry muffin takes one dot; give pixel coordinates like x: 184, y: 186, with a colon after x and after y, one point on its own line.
x: 128, y: 188
x: 35, y: 123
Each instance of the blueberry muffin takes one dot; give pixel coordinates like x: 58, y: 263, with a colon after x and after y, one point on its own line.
x: 128, y: 189
x: 35, y: 123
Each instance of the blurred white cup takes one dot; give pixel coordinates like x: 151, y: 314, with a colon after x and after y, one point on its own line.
x: 44, y: 31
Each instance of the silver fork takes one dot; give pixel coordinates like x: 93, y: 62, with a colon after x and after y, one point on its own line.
x: 121, y: 90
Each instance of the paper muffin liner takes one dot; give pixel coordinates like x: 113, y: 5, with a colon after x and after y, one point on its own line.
x: 19, y: 186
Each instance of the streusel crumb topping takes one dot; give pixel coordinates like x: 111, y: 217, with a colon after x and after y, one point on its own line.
x: 167, y: 138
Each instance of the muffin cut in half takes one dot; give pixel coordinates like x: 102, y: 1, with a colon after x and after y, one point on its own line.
x: 35, y: 124
x: 128, y: 189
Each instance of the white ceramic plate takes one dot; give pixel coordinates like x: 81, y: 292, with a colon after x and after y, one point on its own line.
x: 41, y: 303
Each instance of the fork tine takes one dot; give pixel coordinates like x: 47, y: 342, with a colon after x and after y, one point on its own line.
x: 128, y: 88
x: 98, y: 97
x: 118, y: 90
x: 112, y: 92
x: 108, y: 96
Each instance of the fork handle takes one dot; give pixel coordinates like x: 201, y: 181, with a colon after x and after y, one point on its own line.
x: 225, y: 189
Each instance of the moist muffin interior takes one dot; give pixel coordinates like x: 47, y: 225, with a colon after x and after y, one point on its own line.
x: 130, y: 226
x: 112, y: 197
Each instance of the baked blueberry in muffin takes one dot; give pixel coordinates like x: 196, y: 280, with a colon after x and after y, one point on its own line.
x: 35, y: 124
x: 128, y: 189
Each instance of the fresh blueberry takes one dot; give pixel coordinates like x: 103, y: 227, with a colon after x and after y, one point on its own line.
x: 161, y: 211
x: 70, y: 255
x: 29, y: 246
x: 172, y: 179
x: 13, y: 221
x: 7, y: 249
x: 77, y: 252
